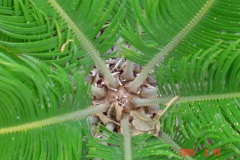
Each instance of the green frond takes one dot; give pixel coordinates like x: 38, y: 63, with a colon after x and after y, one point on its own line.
x: 39, y: 110
x: 190, y: 47
x: 208, y: 86
x: 129, y: 14
x: 100, y: 148
x: 206, y: 73
x: 180, y: 28
x: 142, y: 147
x: 148, y: 147
x: 38, y: 30
x: 86, y: 43
x: 176, y: 148
x: 171, y: 45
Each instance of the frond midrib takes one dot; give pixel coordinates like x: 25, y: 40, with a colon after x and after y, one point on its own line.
x: 126, y: 138
x: 185, y: 99
x: 56, y: 119
x: 209, y: 97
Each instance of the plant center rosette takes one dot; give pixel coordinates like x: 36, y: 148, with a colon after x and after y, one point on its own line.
x: 141, y: 118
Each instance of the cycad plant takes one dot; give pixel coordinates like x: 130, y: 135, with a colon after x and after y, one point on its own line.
x: 119, y: 79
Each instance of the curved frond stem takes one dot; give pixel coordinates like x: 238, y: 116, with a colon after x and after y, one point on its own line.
x: 156, y: 101
x: 168, y: 140
x: 127, y: 137
x: 117, y: 64
x: 169, y: 104
x: 128, y: 71
x: 209, y: 97
x: 87, y: 45
x: 149, y: 92
x: 57, y: 119
x: 64, y: 45
x: 133, y: 87
x: 99, y: 93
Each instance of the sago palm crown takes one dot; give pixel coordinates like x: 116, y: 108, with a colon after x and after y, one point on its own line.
x: 119, y: 79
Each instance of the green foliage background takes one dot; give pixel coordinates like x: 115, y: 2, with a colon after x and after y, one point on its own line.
x: 198, y: 45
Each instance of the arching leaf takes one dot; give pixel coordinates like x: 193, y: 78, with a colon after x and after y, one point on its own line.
x: 208, y: 107
x: 40, y: 110
x: 34, y: 27
x: 180, y: 28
